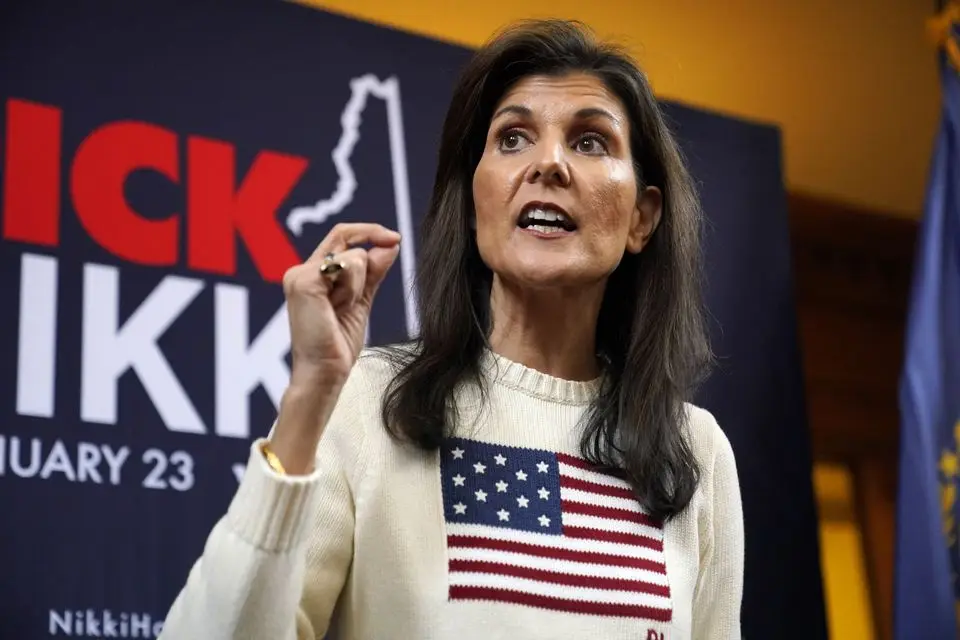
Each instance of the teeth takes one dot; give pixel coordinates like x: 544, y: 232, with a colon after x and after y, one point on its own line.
x: 547, y: 216
x: 540, y: 228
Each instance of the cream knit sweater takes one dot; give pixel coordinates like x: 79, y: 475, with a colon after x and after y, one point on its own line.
x: 504, y: 533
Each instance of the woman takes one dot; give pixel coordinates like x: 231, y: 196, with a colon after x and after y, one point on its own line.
x: 529, y: 467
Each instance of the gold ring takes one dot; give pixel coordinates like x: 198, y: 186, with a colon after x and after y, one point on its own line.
x: 331, y: 268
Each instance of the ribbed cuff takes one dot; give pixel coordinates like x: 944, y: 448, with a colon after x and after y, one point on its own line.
x: 271, y: 511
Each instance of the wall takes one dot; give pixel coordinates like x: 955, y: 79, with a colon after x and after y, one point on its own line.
x: 852, y: 84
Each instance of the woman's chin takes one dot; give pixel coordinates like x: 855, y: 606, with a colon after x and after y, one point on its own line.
x: 551, y: 274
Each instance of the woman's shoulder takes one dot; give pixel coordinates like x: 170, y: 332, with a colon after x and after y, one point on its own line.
x: 376, y: 367
x: 708, y: 440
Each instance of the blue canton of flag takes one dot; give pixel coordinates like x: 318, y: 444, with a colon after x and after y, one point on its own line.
x: 927, y: 559
x: 544, y: 529
x: 517, y: 491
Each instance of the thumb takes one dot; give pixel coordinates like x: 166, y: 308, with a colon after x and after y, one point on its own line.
x: 379, y: 261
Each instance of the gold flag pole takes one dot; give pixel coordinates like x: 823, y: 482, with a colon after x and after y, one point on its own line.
x: 940, y: 30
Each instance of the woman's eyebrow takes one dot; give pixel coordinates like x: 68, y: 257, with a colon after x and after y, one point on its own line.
x: 582, y: 114
x: 595, y: 112
x: 513, y: 108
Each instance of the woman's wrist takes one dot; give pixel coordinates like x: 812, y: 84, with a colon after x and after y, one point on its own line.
x: 304, y: 411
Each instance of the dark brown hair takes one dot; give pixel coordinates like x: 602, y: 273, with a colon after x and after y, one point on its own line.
x: 651, y: 338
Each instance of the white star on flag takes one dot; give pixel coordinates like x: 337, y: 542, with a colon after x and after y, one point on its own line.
x: 479, y: 467
x: 544, y: 494
x: 522, y: 501
x: 521, y: 475
x: 502, y: 487
x: 481, y: 495
x: 458, y: 453
x: 460, y: 508
x: 542, y: 467
x: 504, y: 515
x: 458, y: 480
x: 500, y: 460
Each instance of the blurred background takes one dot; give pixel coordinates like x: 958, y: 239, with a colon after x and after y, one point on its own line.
x: 854, y: 90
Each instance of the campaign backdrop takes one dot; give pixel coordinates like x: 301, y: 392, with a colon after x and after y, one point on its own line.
x: 163, y: 163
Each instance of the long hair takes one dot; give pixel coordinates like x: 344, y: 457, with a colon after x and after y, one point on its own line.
x: 651, y: 339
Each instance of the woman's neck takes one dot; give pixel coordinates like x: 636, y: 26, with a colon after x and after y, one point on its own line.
x: 550, y: 330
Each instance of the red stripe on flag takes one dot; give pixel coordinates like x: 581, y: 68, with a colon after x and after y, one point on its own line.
x: 566, y: 482
x: 576, y: 462
x: 613, y: 536
x: 569, y: 506
x: 586, y: 466
x: 588, y: 557
x: 560, y: 604
x: 553, y: 577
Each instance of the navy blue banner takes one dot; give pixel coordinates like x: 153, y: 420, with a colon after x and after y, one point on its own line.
x: 756, y: 391
x: 163, y: 164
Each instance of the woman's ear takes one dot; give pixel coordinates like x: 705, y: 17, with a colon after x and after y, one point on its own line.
x: 646, y: 217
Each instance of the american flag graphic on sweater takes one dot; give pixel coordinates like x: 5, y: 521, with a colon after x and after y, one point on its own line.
x: 542, y: 529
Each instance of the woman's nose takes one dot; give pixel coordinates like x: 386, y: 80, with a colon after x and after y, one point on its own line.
x: 549, y: 164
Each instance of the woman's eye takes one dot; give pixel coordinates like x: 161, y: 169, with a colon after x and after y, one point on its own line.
x: 512, y: 141
x: 591, y: 144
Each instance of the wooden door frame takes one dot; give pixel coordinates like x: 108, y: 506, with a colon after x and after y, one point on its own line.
x: 852, y: 271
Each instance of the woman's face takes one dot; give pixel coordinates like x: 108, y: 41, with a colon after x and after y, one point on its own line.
x: 555, y: 191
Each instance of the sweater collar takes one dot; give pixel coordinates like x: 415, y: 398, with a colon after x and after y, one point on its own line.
x: 512, y: 374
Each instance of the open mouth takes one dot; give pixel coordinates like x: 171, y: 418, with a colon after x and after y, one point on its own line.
x: 545, y: 218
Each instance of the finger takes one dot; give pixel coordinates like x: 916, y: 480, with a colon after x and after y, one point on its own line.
x: 300, y: 279
x: 346, y: 234
x: 379, y: 261
x: 349, y: 285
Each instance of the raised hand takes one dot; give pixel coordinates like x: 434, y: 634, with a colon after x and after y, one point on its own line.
x: 328, y: 320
